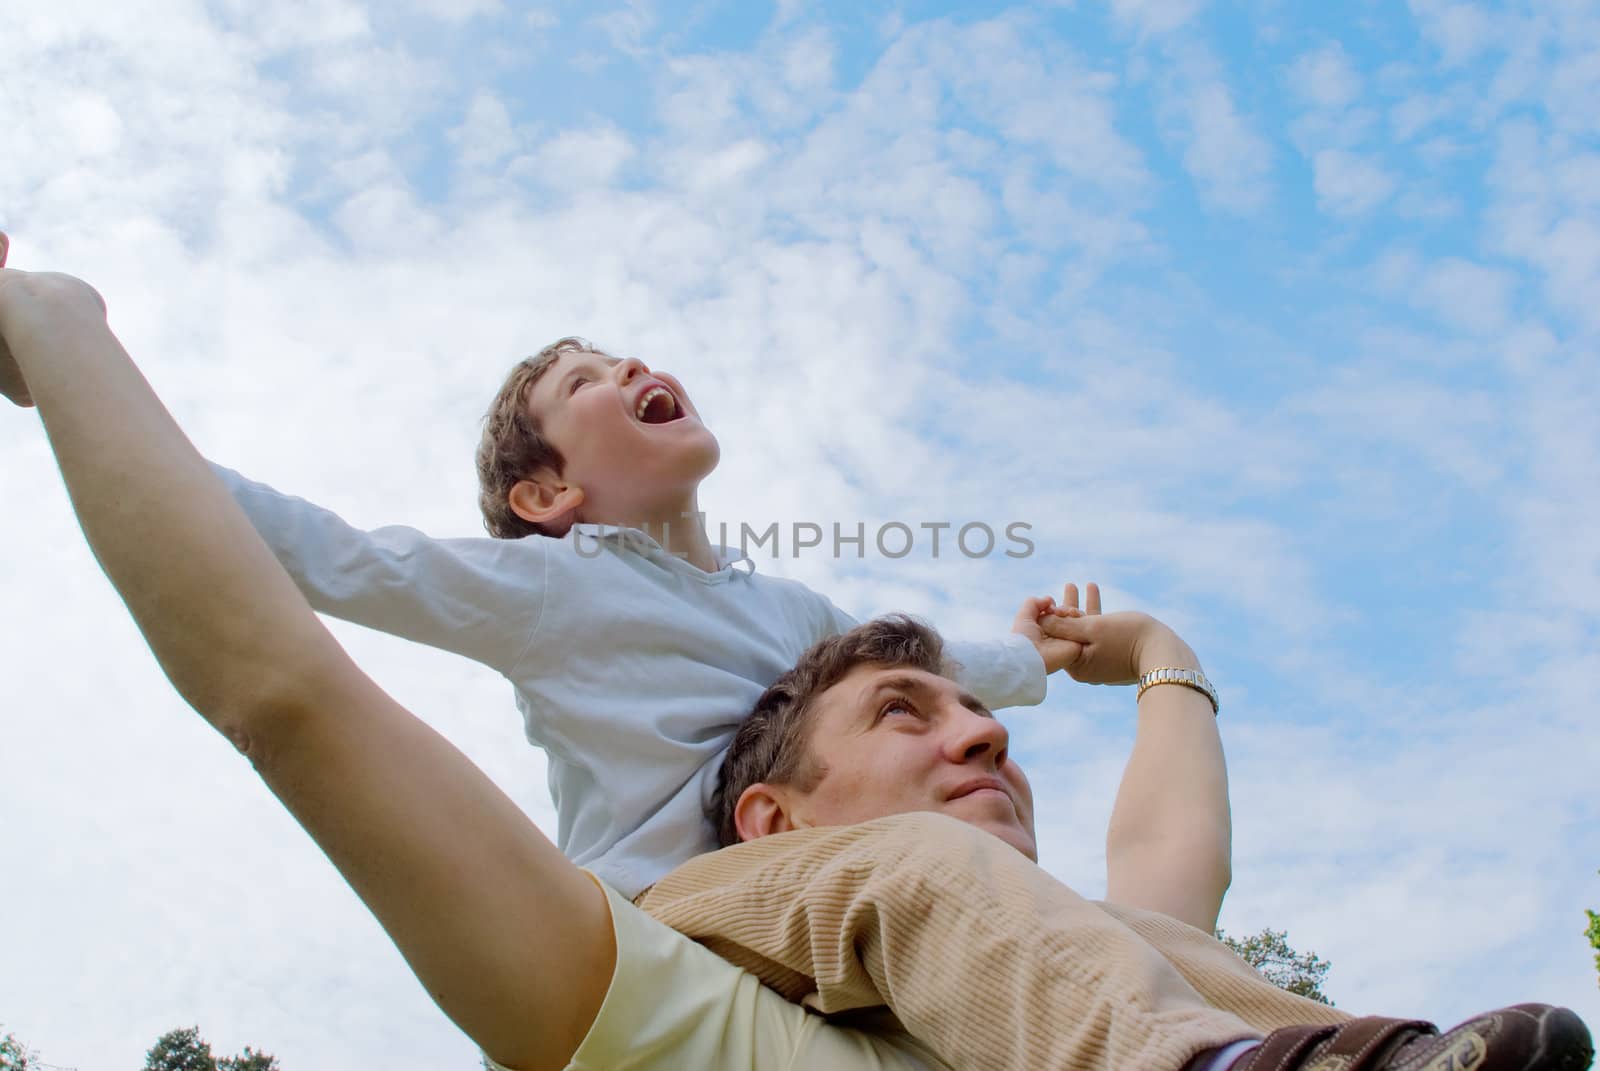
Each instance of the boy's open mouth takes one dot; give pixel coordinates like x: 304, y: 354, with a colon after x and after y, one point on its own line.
x: 657, y: 406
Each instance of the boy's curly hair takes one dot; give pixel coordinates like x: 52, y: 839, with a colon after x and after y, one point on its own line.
x: 513, y: 447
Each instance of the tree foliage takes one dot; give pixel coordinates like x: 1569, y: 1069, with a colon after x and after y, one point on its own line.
x: 180, y: 1050
x: 186, y: 1050
x: 1593, y: 934
x: 249, y: 1060
x: 15, y: 1056
x: 1301, y: 973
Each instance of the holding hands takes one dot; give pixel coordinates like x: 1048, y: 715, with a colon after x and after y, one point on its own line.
x: 1097, y: 648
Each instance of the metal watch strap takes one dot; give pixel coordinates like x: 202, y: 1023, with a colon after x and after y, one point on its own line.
x: 1189, y: 678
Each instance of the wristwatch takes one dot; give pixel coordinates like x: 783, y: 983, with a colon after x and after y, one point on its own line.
x: 1189, y: 678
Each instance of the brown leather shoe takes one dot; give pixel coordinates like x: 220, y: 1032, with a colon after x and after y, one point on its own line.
x: 1524, y: 1037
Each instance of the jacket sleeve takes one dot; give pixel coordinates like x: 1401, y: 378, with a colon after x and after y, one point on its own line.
x: 1001, y: 673
x: 481, y: 598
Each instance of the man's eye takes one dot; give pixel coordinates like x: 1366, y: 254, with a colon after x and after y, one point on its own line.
x: 897, y: 706
x: 577, y: 382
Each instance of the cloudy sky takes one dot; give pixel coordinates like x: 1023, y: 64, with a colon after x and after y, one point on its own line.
x: 1282, y: 324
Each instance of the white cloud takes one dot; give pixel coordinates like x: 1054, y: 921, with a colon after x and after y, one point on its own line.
x: 628, y: 25
x: 579, y: 159
x: 788, y: 11
x: 1548, y: 215
x: 1152, y: 17
x: 1326, y: 78
x: 732, y: 164
x: 1460, y: 29
x: 1415, y: 114
x: 1229, y: 160
x: 1221, y: 148
x: 459, y: 11
x: 485, y: 136
x: 291, y: 25
x: 1467, y: 295
x: 1380, y: 410
x: 808, y: 63
x: 91, y: 122
x: 1349, y: 184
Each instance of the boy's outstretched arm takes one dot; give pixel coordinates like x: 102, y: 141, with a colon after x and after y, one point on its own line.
x: 478, y: 598
x: 1009, y: 672
x: 512, y: 941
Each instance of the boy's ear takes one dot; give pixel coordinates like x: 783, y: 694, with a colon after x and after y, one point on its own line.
x: 762, y: 810
x: 545, y: 499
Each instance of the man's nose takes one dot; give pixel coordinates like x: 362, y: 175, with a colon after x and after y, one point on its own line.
x: 975, y: 735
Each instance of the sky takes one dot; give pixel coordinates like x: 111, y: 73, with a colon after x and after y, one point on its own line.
x: 1280, y: 321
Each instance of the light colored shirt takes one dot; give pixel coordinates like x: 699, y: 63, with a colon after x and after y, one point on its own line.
x: 631, y: 667
x: 673, y: 1005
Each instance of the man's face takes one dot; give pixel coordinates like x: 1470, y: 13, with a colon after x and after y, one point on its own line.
x: 630, y: 437
x: 892, y: 739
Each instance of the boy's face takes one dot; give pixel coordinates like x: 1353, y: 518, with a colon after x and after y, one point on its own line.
x: 630, y: 437
x: 894, y: 739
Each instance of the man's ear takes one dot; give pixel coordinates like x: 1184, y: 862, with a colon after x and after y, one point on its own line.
x: 762, y: 810
x: 546, y: 500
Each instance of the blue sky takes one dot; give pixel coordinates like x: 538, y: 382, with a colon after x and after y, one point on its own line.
x: 1281, y: 321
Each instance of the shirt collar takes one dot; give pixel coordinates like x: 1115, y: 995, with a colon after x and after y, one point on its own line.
x: 644, y: 543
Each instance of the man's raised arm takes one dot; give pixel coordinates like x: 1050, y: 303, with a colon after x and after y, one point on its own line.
x: 1169, y: 842
x: 512, y: 941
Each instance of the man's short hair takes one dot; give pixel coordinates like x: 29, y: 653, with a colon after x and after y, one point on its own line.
x: 773, y: 744
x: 513, y: 447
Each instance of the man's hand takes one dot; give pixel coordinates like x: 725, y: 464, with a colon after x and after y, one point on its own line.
x: 1096, y: 648
x: 11, y: 384
x: 32, y: 301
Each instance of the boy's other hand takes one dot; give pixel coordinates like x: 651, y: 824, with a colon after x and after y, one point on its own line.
x: 1058, y: 652
x: 1096, y: 648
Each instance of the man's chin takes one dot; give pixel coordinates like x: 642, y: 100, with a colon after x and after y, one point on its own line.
x: 1018, y: 838
x: 1007, y: 826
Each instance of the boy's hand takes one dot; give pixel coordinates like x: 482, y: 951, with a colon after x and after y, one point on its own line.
x: 1058, y: 652
x: 1096, y: 648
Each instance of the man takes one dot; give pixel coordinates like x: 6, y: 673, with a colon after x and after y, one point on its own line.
x: 535, y: 961
x: 944, y: 917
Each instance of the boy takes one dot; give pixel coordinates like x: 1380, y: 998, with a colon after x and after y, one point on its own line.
x: 633, y: 658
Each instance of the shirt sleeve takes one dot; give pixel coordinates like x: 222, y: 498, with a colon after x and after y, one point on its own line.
x: 1001, y: 673
x: 481, y: 598
x: 673, y: 1004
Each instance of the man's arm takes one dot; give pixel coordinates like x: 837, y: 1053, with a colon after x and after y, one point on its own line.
x: 1169, y: 845
x: 512, y: 941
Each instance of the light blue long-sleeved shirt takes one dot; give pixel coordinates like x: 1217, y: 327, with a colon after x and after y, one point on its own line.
x: 631, y: 667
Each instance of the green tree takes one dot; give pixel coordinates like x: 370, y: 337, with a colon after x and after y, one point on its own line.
x: 1301, y: 973
x: 15, y: 1056
x: 180, y: 1050
x: 1593, y: 934
x: 186, y: 1050
x: 249, y: 1060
